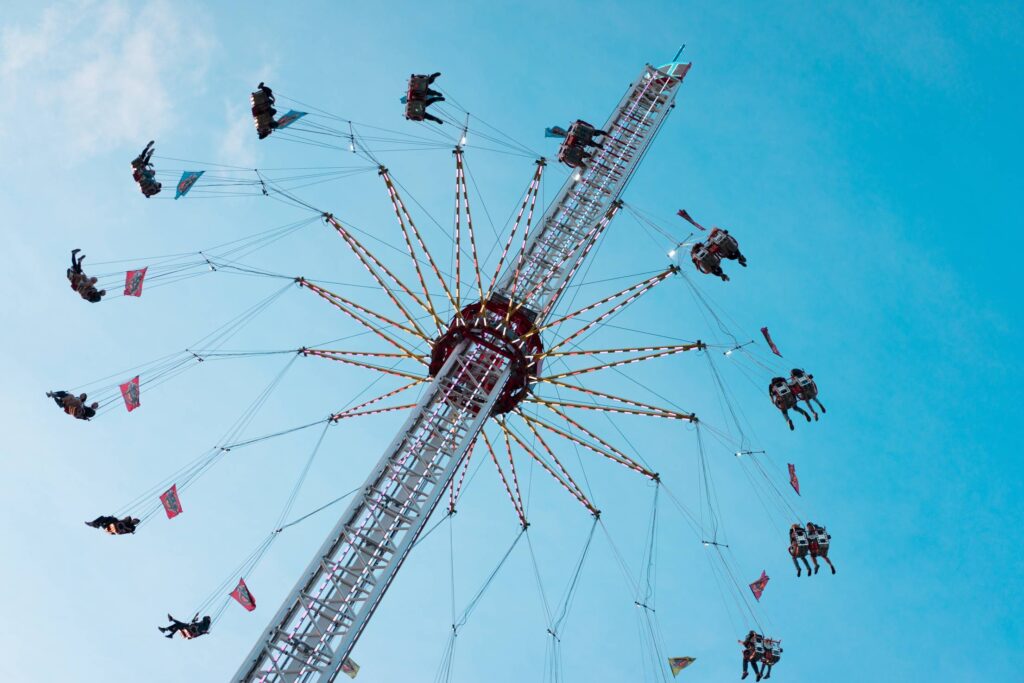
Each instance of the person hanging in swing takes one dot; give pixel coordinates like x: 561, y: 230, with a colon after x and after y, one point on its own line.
x: 195, y: 628
x: 784, y: 399
x: 803, y: 386
x: 81, y: 283
x: 114, y: 526
x: 799, y: 547
x: 707, y: 261
x: 819, y: 541
x: 771, y: 654
x: 143, y: 172
x: 573, y: 150
x: 583, y: 134
x: 726, y: 246
x: 262, y: 100
x: 74, y: 406
x: 750, y: 655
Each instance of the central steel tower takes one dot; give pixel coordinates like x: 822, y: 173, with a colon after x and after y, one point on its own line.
x: 311, y: 636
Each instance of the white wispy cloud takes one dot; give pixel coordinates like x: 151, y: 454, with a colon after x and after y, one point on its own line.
x: 100, y: 73
x: 236, y: 143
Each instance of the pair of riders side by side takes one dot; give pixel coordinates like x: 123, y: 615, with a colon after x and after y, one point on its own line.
x: 574, y: 149
x: 786, y: 393
x: 707, y: 255
x: 420, y: 95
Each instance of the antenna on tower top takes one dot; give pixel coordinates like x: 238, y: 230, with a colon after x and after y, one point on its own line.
x: 676, y: 58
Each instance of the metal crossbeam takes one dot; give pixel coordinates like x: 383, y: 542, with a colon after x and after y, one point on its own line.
x: 312, y: 634
x: 588, y: 194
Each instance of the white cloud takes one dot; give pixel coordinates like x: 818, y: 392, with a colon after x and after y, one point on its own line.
x: 94, y: 74
x: 236, y: 146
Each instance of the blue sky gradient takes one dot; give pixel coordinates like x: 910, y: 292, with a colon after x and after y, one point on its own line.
x: 866, y: 156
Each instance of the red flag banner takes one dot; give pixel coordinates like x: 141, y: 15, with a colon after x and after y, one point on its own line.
x: 794, y: 482
x: 130, y: 393
x: 243, y: 596
x: 677, y: 664
x: 758, y: 586
x: 133, y: 282
x: 771, y: 344
x: 172, y: 505
x: 349, y: 668
x: 682, y: 213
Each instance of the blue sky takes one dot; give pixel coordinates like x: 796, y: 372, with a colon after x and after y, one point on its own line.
x: 867, y: 158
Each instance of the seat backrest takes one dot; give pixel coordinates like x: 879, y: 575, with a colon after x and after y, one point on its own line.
x: 570, y: 153
x: 417, y: 87
x: 414, y: 109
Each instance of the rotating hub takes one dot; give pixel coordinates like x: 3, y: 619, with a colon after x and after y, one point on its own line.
x: 511, y: 334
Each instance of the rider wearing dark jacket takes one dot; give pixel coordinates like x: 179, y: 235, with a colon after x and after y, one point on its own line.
x: 115, y: 526
x: 750, y: 655
x: 197, y: 627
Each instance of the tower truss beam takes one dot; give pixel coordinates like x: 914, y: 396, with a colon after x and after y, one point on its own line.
x: 312, y: 634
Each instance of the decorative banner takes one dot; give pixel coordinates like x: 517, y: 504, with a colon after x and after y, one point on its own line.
x: 758, y: 586
x: 349, y: 667
x: 243, y: 596
x: 685, y: 216
x: 771, y: 344
x: 677, y: 664
x: 555, y: 132
x: 188, y: 179
x: 172, y: 505
x: 794, y: 482
x: 130, y: 393
x: 133, y: 282
x: 288, y: 119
